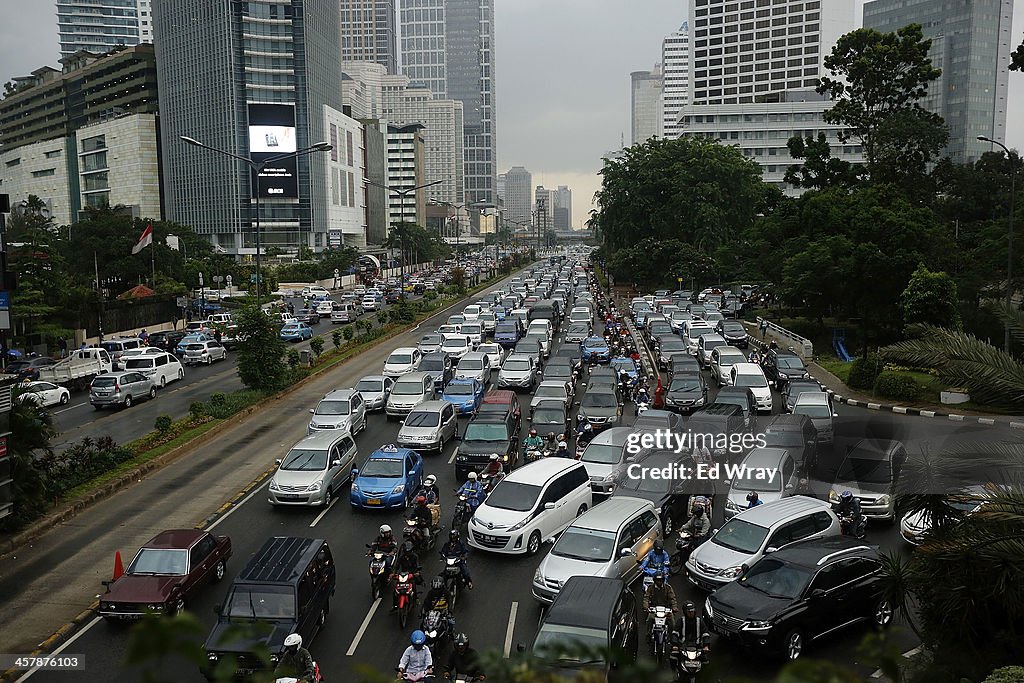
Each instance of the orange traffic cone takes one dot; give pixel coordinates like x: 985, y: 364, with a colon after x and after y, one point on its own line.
x: 118, y: 566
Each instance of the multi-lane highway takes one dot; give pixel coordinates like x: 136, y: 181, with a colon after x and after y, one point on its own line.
x: 55, y: 579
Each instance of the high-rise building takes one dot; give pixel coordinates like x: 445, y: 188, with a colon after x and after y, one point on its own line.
x: 500, y: 189
x: 518, y: 195
x: 253, y: 79
x: 405, y: 170
x: 675, y: 66
x: 368, y: 32
x: 563, y: 208
x: 544, y: 211
x: 447, y: 46
x: 646, y: 104
x: 971, y: 43
x: 102, y: 25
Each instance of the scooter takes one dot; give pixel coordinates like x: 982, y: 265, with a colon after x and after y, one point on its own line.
x: 317, y: 676
x: 533, y: 454
x: 659, y: 631
x: 489, y: 481
x: 378, y: 573
x: 848, y: 527
x: 685, y: 545
x: 423, y: 540
x: 405, y: 596
x: 463, y: 512
x: 438, y: 629
x: 452, y: 575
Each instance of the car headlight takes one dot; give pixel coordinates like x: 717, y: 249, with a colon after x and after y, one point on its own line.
x: 315, y: 486
x: 520, y: 525
x: 730, y: 505
x: 274, y: 486
x: 155, y: 607
x: 833, y: 497
x: 398, y: 489
x: 757, y: 626
x: 538, y: 577
x: 355, y: 485
x: 731, y: 572
x: 212, y: 656
x: 883, y: 499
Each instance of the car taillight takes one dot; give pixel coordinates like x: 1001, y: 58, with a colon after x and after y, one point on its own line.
x: 117, y: 388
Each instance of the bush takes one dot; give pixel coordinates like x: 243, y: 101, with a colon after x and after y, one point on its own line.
x: 198, y: 410
x: 235, y: 402
x: 1007, y: 674
x: 81, y: 462
x: 316, y: 345
x: 293, y: 359
x: 864, y: 372
x: 897, y: 386
x: 217, y: 400
x: 336, y: 338
x: 348, y: 333
x: 163, y: 424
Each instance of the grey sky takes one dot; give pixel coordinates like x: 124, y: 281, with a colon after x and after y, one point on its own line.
x: 562, y: 77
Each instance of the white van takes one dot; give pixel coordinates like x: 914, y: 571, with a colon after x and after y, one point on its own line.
x: 163, y: 367
x: 530, y: 506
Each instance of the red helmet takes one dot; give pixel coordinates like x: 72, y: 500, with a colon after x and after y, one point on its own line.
x: 421, y: 500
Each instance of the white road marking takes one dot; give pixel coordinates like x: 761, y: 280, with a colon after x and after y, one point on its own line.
x: 238, y: 505
x: 64, y: 410
x: 25, y: 676
x: 452, y: 459
x: 511, y: 628
x: 362, y: 628
x: 322, y: 513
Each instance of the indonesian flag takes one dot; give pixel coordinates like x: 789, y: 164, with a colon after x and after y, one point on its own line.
x: 145, y: 240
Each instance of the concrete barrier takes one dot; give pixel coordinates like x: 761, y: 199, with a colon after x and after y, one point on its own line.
x: 785, y: 338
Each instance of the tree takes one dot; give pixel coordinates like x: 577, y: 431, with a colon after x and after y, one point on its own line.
x: 877, y: 80
x: 260, y: 351
x: 1017, y: 59
x: 818, y: 170
x: 31, y: 430
x: 930, y: 297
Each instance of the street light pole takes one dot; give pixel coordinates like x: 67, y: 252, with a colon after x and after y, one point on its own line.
x: 1009, y: 247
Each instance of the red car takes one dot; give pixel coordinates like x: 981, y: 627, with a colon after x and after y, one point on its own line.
x: 164, y: 572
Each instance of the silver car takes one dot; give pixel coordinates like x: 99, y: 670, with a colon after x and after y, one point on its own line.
x: 408, y: 392
x: 758, y: 461
x: 604, y: 457
x: 120, y: 389
x: 476, y: 366
x: 817, y: 405
x: 429, y: 426
x: 429, y: 343
x: 375, y: 389
x: 204, y: 352
x: 314, y: 469
x: 605, y: 541
x: 518, y: 372
x: 340, y: 409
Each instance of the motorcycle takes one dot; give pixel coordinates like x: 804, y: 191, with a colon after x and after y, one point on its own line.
x: 490, y: 481
x: 452, y: 575
x: 423, y: 540
x: 642, y: 408
x: 659, y: 631
x: 317, y: 677
x: 438, y: 629
x: 421, y: 677
x: 379, y: 562
x: 687, y: 661
x: 533, y: 454
x: 405, y: 596
x: 849, y: 527
x: 463, y: 512
x: 685, y: 545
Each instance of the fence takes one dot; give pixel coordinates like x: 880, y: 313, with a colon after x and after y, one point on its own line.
x: 801, y: 345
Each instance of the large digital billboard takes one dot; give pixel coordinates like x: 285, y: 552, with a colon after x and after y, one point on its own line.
x: 272, y: 133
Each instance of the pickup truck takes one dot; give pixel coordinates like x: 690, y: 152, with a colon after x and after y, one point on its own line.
x: 78, y: 370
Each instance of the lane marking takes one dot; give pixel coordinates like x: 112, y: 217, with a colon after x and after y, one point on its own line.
x: 64, y: 410
x: 66, y: 645
x: 323, y: 513
x: 362, y: 627
x: 452, y: 459
x: 238, y: 505
x: 510, y: 629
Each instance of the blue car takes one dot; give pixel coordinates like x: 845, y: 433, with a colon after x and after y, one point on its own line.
x: 627, y: 364
x: 499, y: 313
x: 465, y: 393
x: 595, y: 350
x: 296, y: 332
x: 389, y: 479
x: 191, y: 339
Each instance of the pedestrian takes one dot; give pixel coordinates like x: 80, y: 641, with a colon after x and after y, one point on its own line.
x: 217, y: 335
x: 764, y: 328
x: 63, y: 346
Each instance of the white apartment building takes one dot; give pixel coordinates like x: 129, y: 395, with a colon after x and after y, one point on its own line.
x: 675, y: 66
x: 645, y: 101
x: 346, y: 209
x: 406, y: 170
x: 518, y: 194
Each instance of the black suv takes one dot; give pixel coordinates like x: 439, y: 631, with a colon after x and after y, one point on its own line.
x: 485, y: 434
x: 800, y: 593
x: 782, y: 366
x: 734, y: 333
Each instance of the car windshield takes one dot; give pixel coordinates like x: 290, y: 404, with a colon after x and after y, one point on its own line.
x: 791, y: 363
x: 302, y: 460
x: 159, y: 561
x: 776, y: 579
x: 290, y: 328
x: 506, y: 327
x: 550, y: 392
x: 865, y: 471
x: 422, y: 419
x: 471, y: 364
x: 579, y: 328
x: 104, y: 382
x: 472, y: 329
x: 740, y: 535
x: 139, y: 364
x: 459, y: 390
x: 333, y: 407
x: 516, y: 365
x: 558, y: 371
x: 734, y: 328
x: 783, y: 438
x: 812, y: 410
x: 646, y: 484
x: 261, y: 602
x: 750, y: 380
x: 407, y: 388
x: 595, y: 343
x: 370, y: 385
x: 431, y: 340
x: 514, y: 495
x: 602, y: 454
x: 387, y: 468
x: 399, y: 359
x: 548, y: 416
x: 621, y: 364
x: 485, y: 431
x: 727, y: 359
x: 794, y: 389
x: 751, y: 481
x: 684, y: 384
x: 588, y: 545
x: 455, y: 343
x: 672, y: 345
x: 709, y: 345
x: 599, y: 400
x: 436, y: 363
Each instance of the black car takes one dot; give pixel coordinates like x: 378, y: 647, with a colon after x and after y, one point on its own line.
x: 725, y: 422
x: 667, y: 351
x: 485, y: 434
x: 802, y: 592
x: 782, y: 367
x: 393, y: 296
x: 670, y: 495
x: 29, y: 368
x: 734, y: 333
x: 308, y: 316
x: 559, y: 369
x: 439, y: 366
x: 686, y: 393
x: 793, y: 389
x: 682, y: 363
x: 600, y: 407
x: 168, y: 341
x: 550, y: 417
x: 659, y: 419
x: 795, y: 433
x: 572, y: 352
x: 744, y: 398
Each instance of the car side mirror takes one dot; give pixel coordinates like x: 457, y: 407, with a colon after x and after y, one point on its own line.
x: 278, y: 462
x: 520, y: 647
x: 355, y: 472
x: 816, y: 593
x: 312, y: 411
x: 549, y: 506
x: 770, y: 549
x: 626, y: 552
x: 336, y: 463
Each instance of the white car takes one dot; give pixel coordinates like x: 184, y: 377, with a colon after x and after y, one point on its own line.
x: 474, y: 331
x: 314, y: 291
x: 44, y: 394
x: 369, y: 303
x: 751, y: 376
x: 488, y: 321
x: 471, y: 313
x: 325, y: 308
x: 456, y: 346
x: 495, y: 354
x: 402, y: 361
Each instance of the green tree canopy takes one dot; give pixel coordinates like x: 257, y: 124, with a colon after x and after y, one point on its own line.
x: 260, y: 351
x: 930, y: 297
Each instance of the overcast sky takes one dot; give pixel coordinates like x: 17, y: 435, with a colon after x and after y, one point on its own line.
x: 562, y: 77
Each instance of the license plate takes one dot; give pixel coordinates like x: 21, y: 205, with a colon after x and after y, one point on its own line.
x: 373, y: 501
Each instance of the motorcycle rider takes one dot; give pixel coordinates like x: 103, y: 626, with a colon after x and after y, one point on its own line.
x: 690, y: 629
x: 473, y: 490
x: 657, y: 559
x: 429, y: 490
x: 660, y: 594
x: 295, y: 661
x: 437, y: 598
x: 849, y: 506
x: 699, y: 524
x: 406, y: 562
x: 584, y: 433
x: 551, y: 444
x: 494, y: 467
x: 385, y: 543
x: 423, y: 518
x: 533, y: 442
x: 416, y: 659
x: 753, y: 500
x: 456, y: 548
x: 463, y: 660
x: 563, y: 450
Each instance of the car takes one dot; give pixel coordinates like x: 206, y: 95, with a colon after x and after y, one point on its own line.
x: 488, y: 320
x: 475, y: 332
x: 749, y: 375
x: 518, y: 372
x: 455, y: 346
x: 595, y: 350
x: 369, y: 303
x: 167, y: 340
x: 604, y: 457
x: 605, y: 541
x: 344, y: 312
x: 295, y: 332
x: 120, y: 389
x: 686, y: 393
x: 375, y: 390
x: 343, y: 409
x: 429, y: 426
x: 401, y: 361
x: 683, y: 363
x: 314, y: 469
x: 309, y: 316
x: 314, y: 291
x: 552, y: 390
x: 707, y: 343
x: 678, y: 318
x: 192, y: 338
x: 659, y: 419
x: 692, y: 330
x: 530, y: 347
x: 471, y: 313
x: 490, y: 431
x: 771, y: 472
x: 782, y: 367
x: 495, y: 354
x: 28, y: 369
x: 600, y: 407
x: 571, y: 353
x: 818, y: 406
x: 559, y: 369
x: 508, y: 332
x: 439, y: 366
x: 801, y: 593
x: 204, y: 352
x: 670, y: 496
x: 733, y: 332
x: 388, y: 479
x: 793, y: 390
x: 476, y: 366
x: 914, y: 526
x: 795, y: 433
x: 870, y: 471
x: 407, y: 392
x: 550, y: 416
x: 325, y: 308
x: 466, y: 394
x: 577, y: 332
x: 538, y: 337
x: 165, y: 574
x: 722, y: 360
x: 44, y: 394
x: 745, y: 399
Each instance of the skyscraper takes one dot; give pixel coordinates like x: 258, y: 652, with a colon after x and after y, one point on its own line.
x: 368, y: 32
x: 675, y: 60
x: 645, y: 102
x: 971, y: 44
x: 545, y: 211
x: 101, y: 25
x: 518, y: 195
x: 563, y: 208
x: 448, y: 47
x: 252, y: 78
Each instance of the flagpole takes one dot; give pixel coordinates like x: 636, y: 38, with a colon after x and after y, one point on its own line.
x: 152, y: 257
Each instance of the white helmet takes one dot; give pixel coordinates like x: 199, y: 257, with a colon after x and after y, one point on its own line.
x: 563, y: 444
x: 293, y: 640
x: 429, y: 481
x: 494, y: 456
x: 384, y: 529
x: 472, y: 476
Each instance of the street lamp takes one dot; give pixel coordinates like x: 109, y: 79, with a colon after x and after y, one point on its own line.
x: 403, y: 192
x: 1009, y: 248
x: 257, y: 168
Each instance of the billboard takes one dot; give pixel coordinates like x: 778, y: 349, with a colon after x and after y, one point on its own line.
x: 271, y: 134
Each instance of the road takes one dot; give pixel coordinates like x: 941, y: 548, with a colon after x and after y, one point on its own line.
x: 499, y: 610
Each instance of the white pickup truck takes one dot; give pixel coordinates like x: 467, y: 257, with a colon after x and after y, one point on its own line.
x: 78, y: 370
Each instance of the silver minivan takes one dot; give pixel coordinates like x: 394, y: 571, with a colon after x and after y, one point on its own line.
x: 605, y: 541
x: 120, y: 389
x: 757, y: 462
x: 340, y: 409
x: 408, y: 392
x: 604, y: 457
x: 817, y: 405
x: 314, y: 469
x: 429, y: 426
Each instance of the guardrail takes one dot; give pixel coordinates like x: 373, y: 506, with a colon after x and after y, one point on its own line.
x: 801, y: 345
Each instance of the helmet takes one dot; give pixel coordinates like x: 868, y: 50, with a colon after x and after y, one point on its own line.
x: 563, y: 444
x: 689, y: 607
x: 698, y: 510
x: 384, y: 530
x: 659, y: 576
x: 587, y: 427
x: 658, y: 547
x: 418, y: 638
x: 429, y: 480
x: 533, y: 432
x: 847, y: 496
x: 472, y: 476
x: 438, y: 582
x: 494, y: 456
x: 752, y: 495
x: 421, y: 500
x: 293, y: 640
x: 453, y: 535
x: 407, y: 547
x: 461, y: 641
